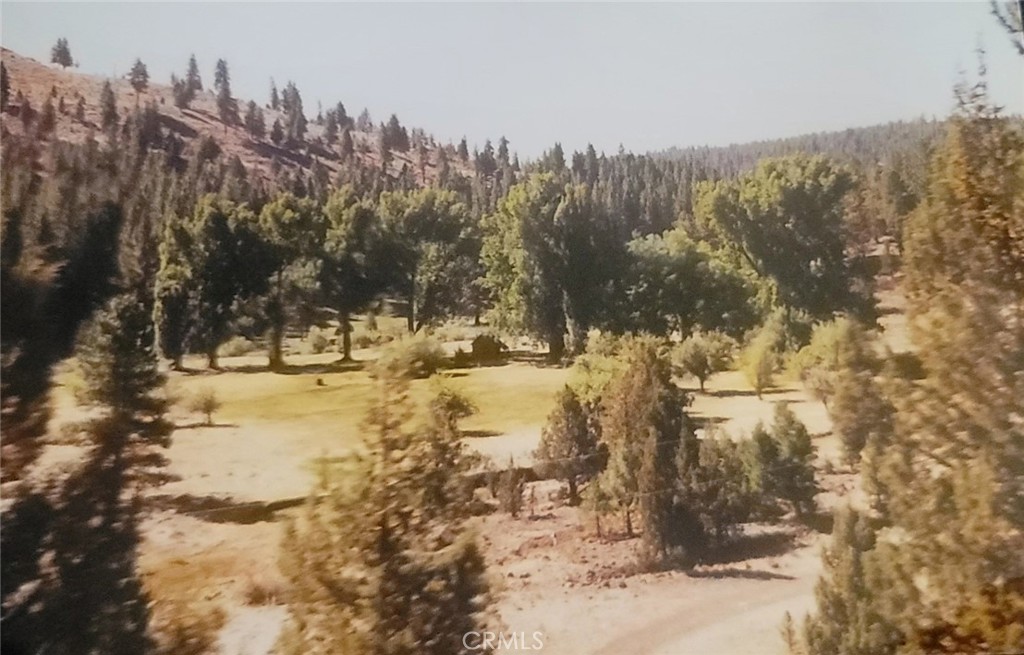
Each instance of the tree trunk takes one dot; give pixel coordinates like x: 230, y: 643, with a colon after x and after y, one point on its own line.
x: 574, y: 497
x: 211, y: 360
x: 276, y: 354
x: 346, y: 337
x: 556, y: 348
x: 629, y: 524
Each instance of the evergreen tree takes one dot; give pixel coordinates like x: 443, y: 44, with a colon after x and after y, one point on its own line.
x: 945, y: 565
x: 116, y: 358
x: 60, y: 54
x: 364, y: 123
x: 227, y: 106
x: 5, y: 87
x: 348, y: 148
x: 254, y: 121
x: 403, y: 575
x: 108, y: 107
x: 193, y: 81
x: 330, y: 128
x: 47, y: 118
x: 860, y: 411
x: 139, y: 79
x: 568, y: 445
x: 275, y: 99
x: 463, y: 151
x: 276, y: 133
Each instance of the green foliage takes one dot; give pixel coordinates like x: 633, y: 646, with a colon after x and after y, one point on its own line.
x: 432, y: 247
x: 944, y: 569
x: 383, y: 564
x: 644, y: 425
x: 860, y: 410
x: 780, y: 462
x: 60, y: 54
x: 138, y: 77
x: 418, y: 356
x: 714, y: 494
x: 116, y: 360
x: 703, y: 354
x: 227, y: 106
x: 568, y: 447
x: 785, y: 221
x: 511, y: 484
x: 677, y: 284
x: 541, y: 251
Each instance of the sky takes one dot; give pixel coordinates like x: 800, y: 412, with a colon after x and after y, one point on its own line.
x: 644, y: 76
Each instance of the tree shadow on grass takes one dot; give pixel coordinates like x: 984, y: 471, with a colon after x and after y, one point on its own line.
x: 339, y: 366
x: 743, y: 393
x: 481, y: 434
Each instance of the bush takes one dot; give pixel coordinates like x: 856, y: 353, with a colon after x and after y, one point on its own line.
x: 205, y: 402
x: 317, y: 340
x: 511, y: 484
x: 488, y: 348
x: 263, y: 590
x: 418, y: 356
x: 236, y: 347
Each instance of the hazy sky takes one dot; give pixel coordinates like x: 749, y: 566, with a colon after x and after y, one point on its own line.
x: 646, y: 76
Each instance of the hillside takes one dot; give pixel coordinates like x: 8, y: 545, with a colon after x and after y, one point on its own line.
x: 886, y: 143
x: 36, y: 81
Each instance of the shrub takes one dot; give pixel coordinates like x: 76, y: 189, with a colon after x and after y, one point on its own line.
x: 263, y: 590
x: 318, y: 340
x: 205, y: 402
x: 237, y: 346
x: 511, y: 484
x: 488, y: 348
x: 418, y: 356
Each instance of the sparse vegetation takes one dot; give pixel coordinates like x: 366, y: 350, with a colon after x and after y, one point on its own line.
x: 206, y: 403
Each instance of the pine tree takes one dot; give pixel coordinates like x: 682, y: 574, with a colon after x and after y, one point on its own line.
x: 193, y: 80
x: 61, y: 54
x: 116, y: 359
x: 275, y: 98
x: 403, y: 575
x: 945, y: 568
x: 859, y: 410
x: 80, y: 109
x: 5, y: 87
x: 139, y: 79
x: 254, y: 121
x: 227, y: 107
x: 47, y: 118
x: 364, y: 123
x: 568, y: 446
x: 463, y: 151
x: 330, y: 128
x: 347, y: 146
x: 276, y: 133
x: 108, y: 107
